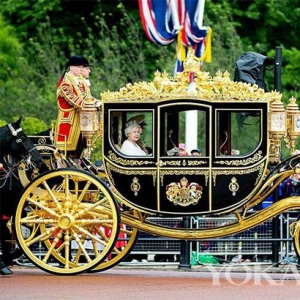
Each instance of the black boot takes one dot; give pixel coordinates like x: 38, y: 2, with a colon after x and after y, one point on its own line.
x: 8, y: 259
x: 8, y: 254
x: 4, y: 270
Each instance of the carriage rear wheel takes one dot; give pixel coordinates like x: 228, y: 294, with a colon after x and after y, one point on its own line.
x: 63, y: 219
x: 295, y: 233
x: 127, y: 238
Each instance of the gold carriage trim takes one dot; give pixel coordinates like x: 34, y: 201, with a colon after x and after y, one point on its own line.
x: 173, y: 163
x: 184, y: 193
x: 179, y: 163
x: 111, y: 167
x: 127, y: 162
x: 183, y: 172
x: 233, y: 186
x: 135, y: 186
x: 209, y: 88
x: 259, y: 168
x: 196, y: 162
x: 242, y: 162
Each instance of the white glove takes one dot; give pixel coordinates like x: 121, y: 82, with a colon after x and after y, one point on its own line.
x: 172, y: 152
x: 98, y: 104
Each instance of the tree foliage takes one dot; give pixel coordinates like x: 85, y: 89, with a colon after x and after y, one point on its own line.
x: 30, y: 125
x: 38, y: 36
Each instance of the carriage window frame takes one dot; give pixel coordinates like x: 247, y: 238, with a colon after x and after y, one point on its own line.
x: 202, y: 139
x: 119, y: 115
x: 237, y: 152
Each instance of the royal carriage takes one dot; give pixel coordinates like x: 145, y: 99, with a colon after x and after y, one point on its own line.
x: 88, y: 219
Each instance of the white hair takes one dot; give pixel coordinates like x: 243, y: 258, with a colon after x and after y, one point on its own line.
x: 130, y: 127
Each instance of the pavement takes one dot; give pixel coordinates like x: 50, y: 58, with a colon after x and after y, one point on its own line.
x: 237, y: 267
x: 251, y: 267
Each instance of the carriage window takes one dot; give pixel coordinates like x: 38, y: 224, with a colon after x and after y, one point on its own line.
x: 239, y: 132
x: 123, y: 129
x: 185, y: 129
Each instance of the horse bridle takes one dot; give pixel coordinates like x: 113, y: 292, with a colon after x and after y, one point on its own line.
x: 15, y: 132
x: 8, y: 174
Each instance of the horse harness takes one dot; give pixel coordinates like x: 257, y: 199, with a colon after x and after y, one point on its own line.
x: 15, y: 132
x: 7, y: 173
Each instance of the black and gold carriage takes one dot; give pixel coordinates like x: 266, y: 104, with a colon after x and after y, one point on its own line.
x: 88, y: 219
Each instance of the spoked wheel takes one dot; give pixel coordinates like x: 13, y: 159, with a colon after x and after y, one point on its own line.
x: 61, y: 221
x: 124, y: 244
x: 295, y: 233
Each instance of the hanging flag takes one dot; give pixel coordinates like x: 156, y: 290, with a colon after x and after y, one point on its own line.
x: 166, y: 21
x: 161, y: 19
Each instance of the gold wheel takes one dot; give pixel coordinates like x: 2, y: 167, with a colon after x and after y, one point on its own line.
x: 295, y: 233
x: 67, y: 212
x: 124, y: 244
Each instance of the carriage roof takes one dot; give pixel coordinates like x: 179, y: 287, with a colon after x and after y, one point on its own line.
x: 216, y: 88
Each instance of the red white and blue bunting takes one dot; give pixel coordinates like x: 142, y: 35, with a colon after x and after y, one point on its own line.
x: 165, y: 21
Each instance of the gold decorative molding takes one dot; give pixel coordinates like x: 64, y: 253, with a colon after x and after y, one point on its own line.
x: 259, y: 168
x: 163, y: 87
x: 128, y: 162
x: 218, y: 88
x: 110, y: 167
x: 242, y: 162
x: 179, y: 163
x: 196, y: 162
x: 174, y: 163
x: 183, y: 172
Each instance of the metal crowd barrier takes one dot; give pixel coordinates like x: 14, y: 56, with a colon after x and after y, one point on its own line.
x: 255, y: 243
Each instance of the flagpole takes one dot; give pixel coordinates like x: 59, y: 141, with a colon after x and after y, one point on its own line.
x: 277, y: 68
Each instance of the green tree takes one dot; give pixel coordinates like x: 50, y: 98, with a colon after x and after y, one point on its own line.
x: 265, y: 24
x: 10, y: 49
x: 118, y: 56
x: 38, y: 36
x: 226, y: 44
x: 30, y: 125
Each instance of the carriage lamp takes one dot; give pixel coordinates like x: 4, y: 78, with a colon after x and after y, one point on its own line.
x: 277, y: 127
x: 293, y: 123
x: 89, y: 123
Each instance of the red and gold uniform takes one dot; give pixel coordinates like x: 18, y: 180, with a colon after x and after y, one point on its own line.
x: 70, y: 96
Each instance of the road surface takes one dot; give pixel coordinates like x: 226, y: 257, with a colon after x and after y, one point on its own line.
x: 134, y: 282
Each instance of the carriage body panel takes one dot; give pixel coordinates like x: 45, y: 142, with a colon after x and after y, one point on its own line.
x: 221, y: 179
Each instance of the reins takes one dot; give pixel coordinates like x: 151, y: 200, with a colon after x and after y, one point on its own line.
x: 9, y: 174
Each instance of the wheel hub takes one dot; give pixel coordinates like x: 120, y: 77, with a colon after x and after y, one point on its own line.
x: 66, y: 221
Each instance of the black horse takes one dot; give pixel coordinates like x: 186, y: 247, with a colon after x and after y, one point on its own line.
x: 15, y: 148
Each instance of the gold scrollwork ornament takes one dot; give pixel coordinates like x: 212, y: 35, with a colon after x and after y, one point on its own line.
x: 135, y: 186
x: 233, y: 186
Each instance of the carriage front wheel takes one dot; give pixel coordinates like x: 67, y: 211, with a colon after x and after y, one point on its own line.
x: 62, y: 219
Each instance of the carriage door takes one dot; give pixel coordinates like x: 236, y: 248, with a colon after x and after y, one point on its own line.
x: 239, y: 153
x: 182, y: 178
